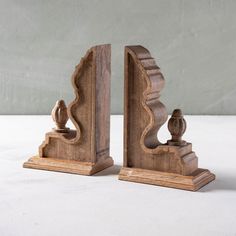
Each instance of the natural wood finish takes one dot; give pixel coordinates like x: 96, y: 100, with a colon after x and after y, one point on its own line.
x: 144, y: 115
x: 193, y: 182
x: 84, y: 150
x: 177, y: 126
x: 60, y: 117
x: 68, y: 166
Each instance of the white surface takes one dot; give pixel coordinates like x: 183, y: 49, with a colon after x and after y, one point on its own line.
x: 34, y: 202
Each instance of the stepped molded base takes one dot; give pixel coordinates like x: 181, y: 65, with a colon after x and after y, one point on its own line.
x: 68, y: 166
x: 191, y: 182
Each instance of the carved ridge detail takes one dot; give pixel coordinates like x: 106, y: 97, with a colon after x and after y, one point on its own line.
x: 150, y: 102
x: 76, y: 75
x: 66, y: 137
x: 85, y: 148
x: 146, y: 159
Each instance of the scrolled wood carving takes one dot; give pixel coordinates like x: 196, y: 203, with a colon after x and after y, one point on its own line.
x: 86, y: 63
x: 146, y: 159
x: 154, y: 84
x: 60, y: 116
x: 88, y: 145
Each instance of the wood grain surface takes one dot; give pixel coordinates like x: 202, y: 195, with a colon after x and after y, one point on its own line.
x: 144, y: 115
x: 90, y: 114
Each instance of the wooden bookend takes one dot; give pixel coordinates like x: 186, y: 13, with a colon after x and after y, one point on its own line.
x: 146, y: 159
x: 84, y: 150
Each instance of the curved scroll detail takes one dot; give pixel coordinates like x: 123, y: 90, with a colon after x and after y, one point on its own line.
x: 146, y: 159
x: 84, y: 150
x: 74, y: 136
x: 150, y: 101
x: 79, y: 69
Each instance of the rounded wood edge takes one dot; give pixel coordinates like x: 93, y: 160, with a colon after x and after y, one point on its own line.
x: 164, y: 179
x: 67, y: 166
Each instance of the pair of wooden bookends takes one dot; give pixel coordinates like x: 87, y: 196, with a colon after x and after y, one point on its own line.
x: 86, y: 150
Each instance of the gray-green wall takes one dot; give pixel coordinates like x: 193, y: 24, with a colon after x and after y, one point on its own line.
x: 194, y: 43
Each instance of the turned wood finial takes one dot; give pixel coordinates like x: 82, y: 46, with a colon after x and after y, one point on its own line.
x: 60, y: 116
x: 177, y: 127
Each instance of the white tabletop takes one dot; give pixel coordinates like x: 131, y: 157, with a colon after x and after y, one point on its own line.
x: 34, y: 202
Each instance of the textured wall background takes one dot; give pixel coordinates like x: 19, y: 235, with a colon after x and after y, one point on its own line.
x: 194, y: 42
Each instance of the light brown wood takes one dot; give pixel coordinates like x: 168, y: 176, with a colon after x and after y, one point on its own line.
x: 60, y: 117
x: 84, y: 150
x: 193, y: 182
x: 144, y: 115
x: 177, y: 126
x: 68, y: 166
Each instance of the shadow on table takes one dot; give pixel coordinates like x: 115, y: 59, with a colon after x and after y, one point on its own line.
x: 113, y: 170
x: 222, y: 182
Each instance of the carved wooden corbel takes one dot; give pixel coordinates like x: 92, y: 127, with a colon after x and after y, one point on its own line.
x: 146, y: 159
x: 84, y: 150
